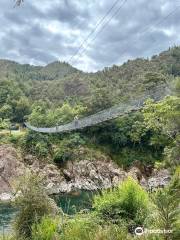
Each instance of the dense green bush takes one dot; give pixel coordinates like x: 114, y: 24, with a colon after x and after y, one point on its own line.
x: 47, y: 229
x: 61, y: 156
x: 127, y: 156
x: 111, y: 232
x: 4, y: 124
x: 165, y: 213
x: 36, y: 143
x: 32, y: 203
x: 79, y: 228
x: 65, y: 149
x: 128, y: 202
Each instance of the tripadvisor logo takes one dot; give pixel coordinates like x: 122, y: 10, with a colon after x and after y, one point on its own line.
x: 140, y: 231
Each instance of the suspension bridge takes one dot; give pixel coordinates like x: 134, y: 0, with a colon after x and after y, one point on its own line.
x: 91, y: 120
x: 100, y: 117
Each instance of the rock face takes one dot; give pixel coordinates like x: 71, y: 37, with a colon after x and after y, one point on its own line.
x: 86, y: 175
x: 10, y: 167
x: 78, y: 175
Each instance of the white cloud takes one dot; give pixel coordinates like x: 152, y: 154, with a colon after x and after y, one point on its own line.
x: 43, y: 31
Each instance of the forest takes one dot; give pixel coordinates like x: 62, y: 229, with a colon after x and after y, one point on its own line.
x: 56, y: 94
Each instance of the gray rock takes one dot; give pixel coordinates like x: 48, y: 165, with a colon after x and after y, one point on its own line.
x: 78, y: 175
x: 159, y: 179
x: 6, y: 197
x: 11, y: 167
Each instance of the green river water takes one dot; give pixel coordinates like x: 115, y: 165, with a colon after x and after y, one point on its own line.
x: 70, y: 203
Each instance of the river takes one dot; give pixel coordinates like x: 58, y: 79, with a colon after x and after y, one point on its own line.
x: 70, y: 204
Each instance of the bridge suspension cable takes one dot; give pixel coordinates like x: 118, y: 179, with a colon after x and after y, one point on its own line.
x: 98, y: 25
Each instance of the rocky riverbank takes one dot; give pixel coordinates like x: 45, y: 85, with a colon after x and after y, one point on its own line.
x: 94, y: 174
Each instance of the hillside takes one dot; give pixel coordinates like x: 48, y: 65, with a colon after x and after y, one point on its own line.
x: 56, y: 93
x: 52, y: 71
x: 58, y: 82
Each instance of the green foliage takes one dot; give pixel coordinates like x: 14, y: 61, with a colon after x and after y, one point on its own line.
x: 47, y: 229
x: 42, y: 116
x: 128, y: 139
x: 6, y: 111
x: 166, y: 212
x: 8, y: 237
x: 177, y: 86
x: 111, y: 232
x: 65, y: 151
x: 32, y: 203
x: 128, y: 202
x: 14, y: 137
x: 22, y: 109
x: 172, y: 153
x: 59, y: 82
x: 36, y: 143
x: 61, y: 156
x: 38, y: 115
x: 88, y: 228
x: 13, y: 104
x: 4, y: 124
x: 127, y: 155
x: 163, y: 116
x: 54, y: 95
x: 78, y: 228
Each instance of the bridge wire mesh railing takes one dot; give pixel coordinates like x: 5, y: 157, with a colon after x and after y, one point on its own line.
x: 102, y: 116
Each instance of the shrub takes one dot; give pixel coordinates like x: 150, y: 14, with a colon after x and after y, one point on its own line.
x: 172, y: 153
x: 4, y: 123
x: 111, y: 232
x: 41, y: 149
x: 75, y: 140
x: 79, y: 228
x: 47, y: 229
x: 36, y: 143
x: 32, y: 203
x: 127, y: 156
x: 61, y: 156
x: 166, y: 212
x: 66, y: 148
x: 128, y: 202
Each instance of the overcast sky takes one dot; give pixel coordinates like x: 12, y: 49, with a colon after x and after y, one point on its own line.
x: 42, y: 31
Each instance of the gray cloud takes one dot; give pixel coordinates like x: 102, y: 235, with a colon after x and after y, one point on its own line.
x: 39, y: 33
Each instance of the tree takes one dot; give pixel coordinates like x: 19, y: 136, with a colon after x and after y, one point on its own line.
x: 166, y: 212
x: 41, y: 116
x: 164, y: 119
x: 22, y: 109
x: 163, y: 116
x: 6, y: 111
x: 38, y: 116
